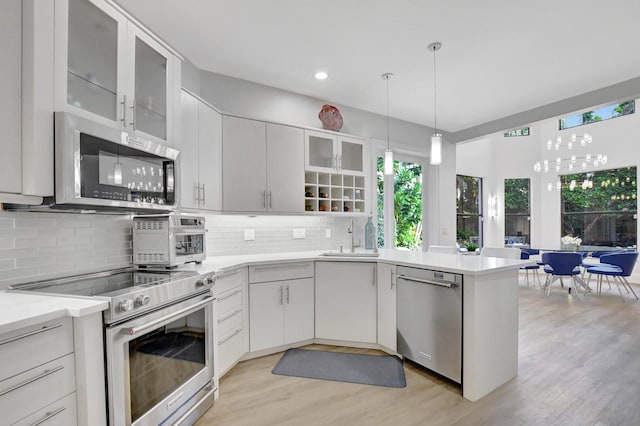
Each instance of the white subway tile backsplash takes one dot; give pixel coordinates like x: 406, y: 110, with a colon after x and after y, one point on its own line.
x: 41, y: 246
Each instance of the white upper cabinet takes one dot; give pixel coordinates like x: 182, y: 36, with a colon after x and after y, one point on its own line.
x: 110, y: 70
x: 11, y: 99
x: 263, y: 169
x: 332, y: 153
x: 200, y: 145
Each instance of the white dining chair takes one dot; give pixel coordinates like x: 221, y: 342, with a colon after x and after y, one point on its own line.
x: 443, y: 249
x: 504, y: 252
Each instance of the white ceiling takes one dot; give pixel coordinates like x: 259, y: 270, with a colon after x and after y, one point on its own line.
x: 499, y: 57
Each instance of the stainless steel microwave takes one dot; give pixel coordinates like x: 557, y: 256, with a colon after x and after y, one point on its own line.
x: 99, y: 166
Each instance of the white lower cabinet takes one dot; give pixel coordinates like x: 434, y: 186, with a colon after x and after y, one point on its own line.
x: 346, y: 298
x: 387, y: 331
x: 37, y: 374
x: 280, y: 313
x: 232, y: 336
x: 281, y: 302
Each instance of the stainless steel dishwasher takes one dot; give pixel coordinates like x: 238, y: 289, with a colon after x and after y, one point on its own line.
x: 430, y: 319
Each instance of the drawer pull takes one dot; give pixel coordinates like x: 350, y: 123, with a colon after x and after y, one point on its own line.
x: 31, y: 380
x: 226, y: 296
x: 49, y: 415
x: 228, y: 315
x: 228, y: 274
x: 229, y: 337
x: 282, y: 266
x: 31, y: 333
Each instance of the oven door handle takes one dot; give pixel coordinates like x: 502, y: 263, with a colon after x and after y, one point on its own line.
x: 132, y: 331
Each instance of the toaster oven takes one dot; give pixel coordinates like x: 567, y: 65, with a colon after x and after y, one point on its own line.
x: 168, y: 240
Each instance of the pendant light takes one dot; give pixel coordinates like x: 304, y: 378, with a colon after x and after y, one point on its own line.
x: 436, y: 139
x: 388, y: 154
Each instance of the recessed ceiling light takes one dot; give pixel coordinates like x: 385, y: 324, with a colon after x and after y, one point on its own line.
x: 321, y: 75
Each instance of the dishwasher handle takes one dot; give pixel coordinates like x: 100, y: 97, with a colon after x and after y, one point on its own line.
x: 423, y: 281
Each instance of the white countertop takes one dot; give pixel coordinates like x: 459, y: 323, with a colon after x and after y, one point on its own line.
x: 461, y: 264
x: 20, y: 310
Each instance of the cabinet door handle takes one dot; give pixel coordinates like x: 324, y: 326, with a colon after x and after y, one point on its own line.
x: 340, y: 163
x: 48, y: 415
x: 281, y: 266
x: 31, y: 333
x: 335, y: 162
x: 264, y: 198
x: 281, y: 294
x: 42, y: 375
x: 196, y: 190
x: 133, y: 114
x: 124, y: 111
x: 269, y: 198
x: 392, y: 277
x: 287, y: 294
x: 204, y: 201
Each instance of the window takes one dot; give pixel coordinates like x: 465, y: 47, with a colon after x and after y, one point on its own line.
x: 600, y: 207
x: 604, y: 113
x: 525, y: 131
x: 407, y: 204
x: 469, y: 212
x: 516, y: 213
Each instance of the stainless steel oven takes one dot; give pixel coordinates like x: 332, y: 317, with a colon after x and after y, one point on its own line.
x: 158, y: 333
x: 160, y: 362
x: 104, y: 167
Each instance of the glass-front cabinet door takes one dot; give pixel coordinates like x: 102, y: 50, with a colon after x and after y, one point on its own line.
x: 88, y: 36
x: 351, y: 156
x: 110, y: 70
x: 320, y: 152
x: 152, y: 86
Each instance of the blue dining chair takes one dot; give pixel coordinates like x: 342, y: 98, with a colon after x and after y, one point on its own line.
x: 616, y: 265
x: 558, y: 265
x: 524, y: 255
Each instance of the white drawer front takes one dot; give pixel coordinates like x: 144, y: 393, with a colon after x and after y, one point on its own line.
x: 231, y: 346
x: 229, y: 300
x: 60, y: 413
x: 280, y: 272
x: 28, y: 347
x: 26, y: 393
x: 229, y: 320
x: 229, y: 280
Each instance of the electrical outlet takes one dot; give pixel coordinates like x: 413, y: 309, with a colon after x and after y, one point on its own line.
x: 249, y: 234
x: 299, y: 233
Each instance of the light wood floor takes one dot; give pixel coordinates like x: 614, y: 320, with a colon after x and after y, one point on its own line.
x: 579, y: 364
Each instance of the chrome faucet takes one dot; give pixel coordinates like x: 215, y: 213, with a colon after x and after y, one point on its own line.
x: 350, y: 231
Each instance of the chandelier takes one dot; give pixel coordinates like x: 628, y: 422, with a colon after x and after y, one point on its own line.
x: 569, y: 158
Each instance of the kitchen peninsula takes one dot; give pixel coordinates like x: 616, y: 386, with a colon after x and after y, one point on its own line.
x: 489, y: 308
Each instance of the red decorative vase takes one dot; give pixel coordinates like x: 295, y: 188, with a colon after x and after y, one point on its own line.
x: 330, y: 118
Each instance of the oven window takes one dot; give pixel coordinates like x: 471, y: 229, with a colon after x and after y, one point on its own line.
x: 189, y: 244
x: 164, y: 359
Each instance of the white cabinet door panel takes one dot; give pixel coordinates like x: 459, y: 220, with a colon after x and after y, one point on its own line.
x: 387, y: 327
x: 210, y: 157
x: 266, y: 315
x: 187, y: 144
x: 346, y: 301
x: 299, y: 312
x: 285, y: 168
x: 244, y: 169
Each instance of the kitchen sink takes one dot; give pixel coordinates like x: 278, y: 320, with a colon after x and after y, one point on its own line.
x: 349, y: 254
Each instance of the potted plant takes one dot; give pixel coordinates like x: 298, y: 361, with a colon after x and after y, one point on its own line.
x: 471, y: 248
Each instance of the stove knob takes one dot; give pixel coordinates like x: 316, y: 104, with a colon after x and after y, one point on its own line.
x: 142, y: 300
x: 201, y: 283
x: 210, y: 279
x: 125, y: 305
